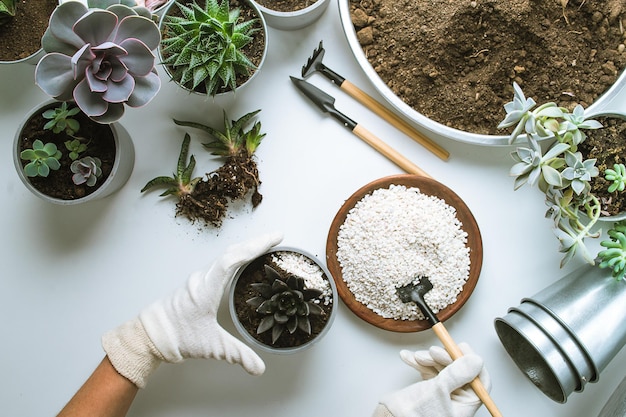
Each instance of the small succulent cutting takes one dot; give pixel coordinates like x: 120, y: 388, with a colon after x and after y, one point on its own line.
x: 203, y: 48
x: 237, y: 178
x: 7, y: 10
x: 100, y: 58
x: 286, y: 304
x: 60, y: 119
x: 42, y: 157
x: 617, y: 177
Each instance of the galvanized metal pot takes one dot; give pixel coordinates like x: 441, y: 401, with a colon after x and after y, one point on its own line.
x: 565, y: 335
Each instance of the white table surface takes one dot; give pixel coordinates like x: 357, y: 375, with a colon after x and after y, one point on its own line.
x: 71, y: 273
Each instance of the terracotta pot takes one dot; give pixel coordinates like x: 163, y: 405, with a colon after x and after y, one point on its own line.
x: 249, y: 338
x: 120, y: 173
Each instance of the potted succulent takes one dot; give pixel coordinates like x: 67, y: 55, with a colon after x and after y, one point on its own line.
x: 65, y: 157
x: 22, y: 24
x: 210, y: 47
x: 208, y: 199
x: 567, y: 173
x: 102, y: 59
x: 283, y: 301
x: 291, y: 14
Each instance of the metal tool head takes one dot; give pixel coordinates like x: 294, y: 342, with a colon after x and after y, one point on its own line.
x: 322, y: 100
x: 415, y: 293
x: 314, y: 61
x: 406, y: 293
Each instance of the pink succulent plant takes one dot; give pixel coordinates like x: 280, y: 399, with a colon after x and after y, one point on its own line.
x: 102, y: 59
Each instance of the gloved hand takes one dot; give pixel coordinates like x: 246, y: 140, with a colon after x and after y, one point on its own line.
x: 444, y: 390
x: 185, y: 325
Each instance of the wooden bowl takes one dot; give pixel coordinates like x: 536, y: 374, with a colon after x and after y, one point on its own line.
x: 427, y: 186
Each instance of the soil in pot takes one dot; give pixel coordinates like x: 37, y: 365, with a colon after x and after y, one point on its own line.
x: 59, y: 184
x: 247, y: 315
x: 455, y: 62
x: 253, y: 50
x: 608, y: 146
x: 286, y: 5
x: 21, y: 36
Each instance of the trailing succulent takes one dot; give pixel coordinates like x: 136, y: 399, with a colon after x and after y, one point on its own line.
x: 560, y: 172
x: 285, y: 304
x: 100, y: 58
x: 203, y: 48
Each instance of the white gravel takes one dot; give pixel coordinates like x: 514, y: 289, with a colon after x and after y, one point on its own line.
x: 300, y: 265
x: 394, y: 235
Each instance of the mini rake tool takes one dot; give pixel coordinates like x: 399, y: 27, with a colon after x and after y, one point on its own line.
x: 314, y: 63
x: 415, y: 293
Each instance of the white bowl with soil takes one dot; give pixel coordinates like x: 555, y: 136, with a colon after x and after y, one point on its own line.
x: 111, y: 143
x: 286, y: 261
x: 291, y: 14
x: 473, y: 51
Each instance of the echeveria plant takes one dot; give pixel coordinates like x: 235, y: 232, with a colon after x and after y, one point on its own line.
x: 42, y: 157
x: 560, y: 172
x: 285, y: 304
x: 102, y: 59
x: 204, y: 46
x: 86, y: 171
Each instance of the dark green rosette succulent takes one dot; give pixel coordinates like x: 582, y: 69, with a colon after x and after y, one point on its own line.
x: 286, y: 304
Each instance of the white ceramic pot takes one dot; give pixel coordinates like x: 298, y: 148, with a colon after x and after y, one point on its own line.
x: 283, y: 350
x: 296, y: 19
x: 122, y: 166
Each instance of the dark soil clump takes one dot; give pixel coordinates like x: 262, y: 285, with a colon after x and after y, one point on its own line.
x: 455, y: 62
x: 237, y: 178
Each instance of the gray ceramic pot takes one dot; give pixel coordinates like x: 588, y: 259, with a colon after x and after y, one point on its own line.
x: 565, y: 335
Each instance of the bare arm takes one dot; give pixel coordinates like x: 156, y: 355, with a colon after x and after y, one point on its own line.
x: 105, y: 394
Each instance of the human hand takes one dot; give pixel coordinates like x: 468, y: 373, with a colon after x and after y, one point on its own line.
x: 185, y: 325
x: 444, y: 390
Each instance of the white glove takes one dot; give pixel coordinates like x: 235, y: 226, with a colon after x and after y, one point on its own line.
x: 444, y: 390
x: 185, y: 325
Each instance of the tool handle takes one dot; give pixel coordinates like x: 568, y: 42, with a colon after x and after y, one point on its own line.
x: 388, y: 151
x: 455, y: 352
x: 369, y: 102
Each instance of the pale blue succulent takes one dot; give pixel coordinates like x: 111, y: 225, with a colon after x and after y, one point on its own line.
x: 102, y: 59
x: 578, y: 173
x: 560, y: 173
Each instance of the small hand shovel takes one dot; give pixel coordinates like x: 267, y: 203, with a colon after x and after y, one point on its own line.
x: 415, y: 293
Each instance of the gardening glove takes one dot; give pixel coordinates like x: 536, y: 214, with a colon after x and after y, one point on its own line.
x: 445, y: 389
x: 185, y: 325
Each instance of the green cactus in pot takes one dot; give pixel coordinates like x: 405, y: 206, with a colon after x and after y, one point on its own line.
x: 203, y: 48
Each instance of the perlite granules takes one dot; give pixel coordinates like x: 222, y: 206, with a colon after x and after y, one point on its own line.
x: 391, y: 237
x: 300, y: 265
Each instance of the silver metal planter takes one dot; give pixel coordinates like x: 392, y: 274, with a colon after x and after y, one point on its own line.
x: 565, y: 335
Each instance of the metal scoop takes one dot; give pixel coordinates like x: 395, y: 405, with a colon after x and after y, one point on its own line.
x: 415, y: 293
